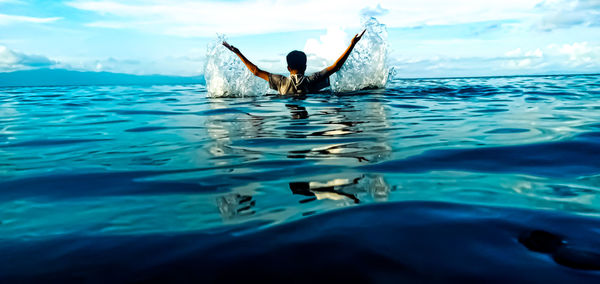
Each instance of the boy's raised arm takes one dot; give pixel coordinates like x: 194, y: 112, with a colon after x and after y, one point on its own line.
x: 253, y: 68
x: 340, y: 62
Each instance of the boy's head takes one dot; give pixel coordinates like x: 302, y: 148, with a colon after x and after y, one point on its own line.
x: 296, y: 61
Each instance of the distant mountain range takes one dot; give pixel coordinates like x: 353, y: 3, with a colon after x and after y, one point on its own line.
x: 62, y: 77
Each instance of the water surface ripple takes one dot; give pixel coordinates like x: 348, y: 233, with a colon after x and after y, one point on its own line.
x: 134, y: 160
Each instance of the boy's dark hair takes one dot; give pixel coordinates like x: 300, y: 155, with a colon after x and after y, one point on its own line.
x: 296, y: 60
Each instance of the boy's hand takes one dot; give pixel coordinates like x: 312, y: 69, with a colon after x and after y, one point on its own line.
x: 358, y: 36
x: 231, y: 47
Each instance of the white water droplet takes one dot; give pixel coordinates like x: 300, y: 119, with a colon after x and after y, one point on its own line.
x: 227, y: 76
x: 367, y: 66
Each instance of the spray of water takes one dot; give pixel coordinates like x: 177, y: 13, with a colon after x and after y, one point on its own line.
x: 227, y: 76
x: 367, y: 66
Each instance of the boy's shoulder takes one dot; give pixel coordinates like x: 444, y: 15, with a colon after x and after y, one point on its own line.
x: 319, y: 75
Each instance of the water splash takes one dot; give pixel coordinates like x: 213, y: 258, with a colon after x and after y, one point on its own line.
x: 367, y: 66
x: 227, y: 76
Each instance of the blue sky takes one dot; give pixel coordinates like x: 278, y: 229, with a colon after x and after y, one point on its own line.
x: 428, y: 38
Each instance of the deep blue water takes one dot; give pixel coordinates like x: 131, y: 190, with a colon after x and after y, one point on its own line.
x: 92, y: 169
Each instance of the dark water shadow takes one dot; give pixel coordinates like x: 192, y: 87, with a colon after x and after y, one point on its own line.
x: 570, y: 158
x: 389, y: 242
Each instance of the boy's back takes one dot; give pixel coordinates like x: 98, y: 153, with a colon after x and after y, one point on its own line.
x: 298, y: 83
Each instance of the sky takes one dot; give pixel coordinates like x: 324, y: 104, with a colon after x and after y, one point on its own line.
x: 428, y: 38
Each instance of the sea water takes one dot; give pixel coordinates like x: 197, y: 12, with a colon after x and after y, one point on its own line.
x: 167, y: 179
x: 144, y: 159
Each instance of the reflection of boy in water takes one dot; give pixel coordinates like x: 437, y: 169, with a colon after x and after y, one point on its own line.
x: 343, y: 188
x: 297, y: 83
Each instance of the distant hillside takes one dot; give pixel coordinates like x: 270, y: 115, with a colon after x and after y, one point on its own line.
x: 62, y: 77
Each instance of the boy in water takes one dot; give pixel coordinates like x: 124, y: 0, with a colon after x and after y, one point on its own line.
x: 297, y: 83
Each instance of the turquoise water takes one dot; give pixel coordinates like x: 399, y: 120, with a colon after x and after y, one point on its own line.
x: 136, y: 160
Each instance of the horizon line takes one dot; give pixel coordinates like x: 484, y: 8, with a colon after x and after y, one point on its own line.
x: 202, y: 75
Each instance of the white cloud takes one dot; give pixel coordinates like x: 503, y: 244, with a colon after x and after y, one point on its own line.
x: 518, y: 53
x: 208, y: 18
x: 378, y: 11
x: 558, y: 14
x: 575, y: 56
x: 11, y: 60
x: 188, y: 18
x: 329, y: 46
x: 580, y: 53
x: 518, y: 64
x: 514, y: 53
x: 524, y: 60
x: 14, y: 19
x: 535, y: 53
x: 107, y: 24
x: 190, y: 65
